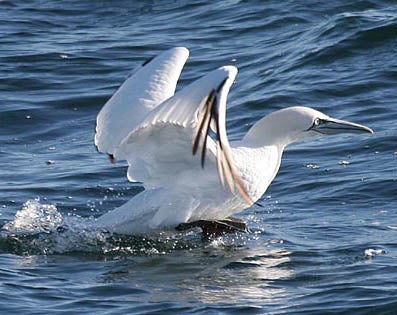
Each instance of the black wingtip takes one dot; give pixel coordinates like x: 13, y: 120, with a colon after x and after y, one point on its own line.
x: 112, y: 159
x: 204, y: 125
x: 222, y: 84
x: 147, y: 61
x: 225, y: 164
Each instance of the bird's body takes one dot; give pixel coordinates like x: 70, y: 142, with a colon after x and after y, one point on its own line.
x: 195, y: 194
x: 156, y: 133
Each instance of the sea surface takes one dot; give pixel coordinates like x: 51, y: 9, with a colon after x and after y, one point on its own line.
x: 324, y: 237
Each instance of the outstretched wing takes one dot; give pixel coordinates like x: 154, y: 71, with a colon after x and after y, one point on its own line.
x: 159, y: 150
x: 213, y: 117
x: 150, y: 84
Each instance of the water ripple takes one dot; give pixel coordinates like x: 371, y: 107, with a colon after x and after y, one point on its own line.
x: 324, y: 240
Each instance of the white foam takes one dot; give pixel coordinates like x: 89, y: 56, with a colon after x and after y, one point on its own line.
x: 34, y: 218
x: 41, y: 229
x: 372, y: 252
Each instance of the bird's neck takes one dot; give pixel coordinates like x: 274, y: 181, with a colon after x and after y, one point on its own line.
x: 269, y: 132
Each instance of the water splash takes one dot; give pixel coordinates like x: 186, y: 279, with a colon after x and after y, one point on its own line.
x: 34, y: 218
x: 40, y: 228
x: 373, y: 252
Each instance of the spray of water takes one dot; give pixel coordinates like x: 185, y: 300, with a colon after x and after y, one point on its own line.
x: 40, y: 228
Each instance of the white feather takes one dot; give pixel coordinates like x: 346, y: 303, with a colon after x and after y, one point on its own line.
x: 146, y: 88
x: 160, y: 147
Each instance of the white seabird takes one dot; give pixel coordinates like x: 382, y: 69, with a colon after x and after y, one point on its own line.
x: 159, y: 133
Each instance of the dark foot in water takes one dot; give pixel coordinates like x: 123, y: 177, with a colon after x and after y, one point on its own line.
x: 216, y: 228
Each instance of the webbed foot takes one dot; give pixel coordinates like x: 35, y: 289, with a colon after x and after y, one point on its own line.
x: 216, y: 228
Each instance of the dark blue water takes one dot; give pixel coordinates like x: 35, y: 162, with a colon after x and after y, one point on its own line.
x: 324, y: 240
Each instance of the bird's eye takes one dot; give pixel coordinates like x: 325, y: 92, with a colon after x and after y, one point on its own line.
x: 317, y: 122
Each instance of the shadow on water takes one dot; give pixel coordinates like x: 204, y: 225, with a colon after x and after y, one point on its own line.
x: 209, y: 274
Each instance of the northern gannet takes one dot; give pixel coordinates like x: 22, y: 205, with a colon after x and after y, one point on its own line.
x: 177, y: 146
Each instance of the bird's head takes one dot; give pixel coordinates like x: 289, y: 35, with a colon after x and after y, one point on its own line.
x: 296, y: 123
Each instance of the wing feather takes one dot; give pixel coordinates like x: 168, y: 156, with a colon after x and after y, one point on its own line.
x: 157, y: 150
x: 225, y: 164
x: 150, y: 85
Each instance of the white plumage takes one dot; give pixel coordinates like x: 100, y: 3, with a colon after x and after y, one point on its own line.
x: 156, y: 131
x: 146, y: 88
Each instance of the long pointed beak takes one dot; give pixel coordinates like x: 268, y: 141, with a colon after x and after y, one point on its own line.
x: 331, y: 126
